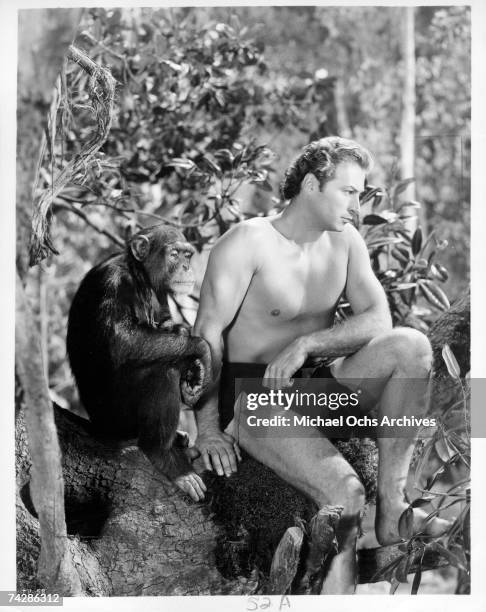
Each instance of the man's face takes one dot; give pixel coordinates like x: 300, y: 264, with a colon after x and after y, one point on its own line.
x: 338, y: 201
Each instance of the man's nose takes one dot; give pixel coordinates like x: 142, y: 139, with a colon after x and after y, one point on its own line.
x: 353, y: 206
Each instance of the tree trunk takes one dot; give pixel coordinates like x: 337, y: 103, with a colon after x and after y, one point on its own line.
x: 44, y: 36
x: 407, y: 134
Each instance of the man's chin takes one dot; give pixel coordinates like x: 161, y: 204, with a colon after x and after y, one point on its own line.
x: 338, y: 228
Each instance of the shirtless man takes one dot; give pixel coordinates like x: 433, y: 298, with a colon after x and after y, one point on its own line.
x: 269, y: 296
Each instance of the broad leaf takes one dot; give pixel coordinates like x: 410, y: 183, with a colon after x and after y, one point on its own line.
x: 374, y: 220
x: 417, y: 241
x: 405, y: 524
x: 451, y: 362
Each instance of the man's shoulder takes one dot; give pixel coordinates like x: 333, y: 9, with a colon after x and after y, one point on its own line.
x: 351, y: 236
x: 248, y: 233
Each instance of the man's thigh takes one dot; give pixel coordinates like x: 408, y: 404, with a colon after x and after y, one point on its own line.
x: 368, y: 369
x: 305, y: 458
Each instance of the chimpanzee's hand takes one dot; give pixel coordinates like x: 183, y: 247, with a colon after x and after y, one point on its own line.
x: 178, y: 329
x: 192, y: 382
x: 191, y: 484
x: 219, y: 452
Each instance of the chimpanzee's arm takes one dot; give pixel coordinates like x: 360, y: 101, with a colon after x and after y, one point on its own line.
x: 142, y: 346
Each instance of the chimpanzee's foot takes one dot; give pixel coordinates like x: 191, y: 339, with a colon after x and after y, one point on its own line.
x: 388, y: 514
x: 192, y: 484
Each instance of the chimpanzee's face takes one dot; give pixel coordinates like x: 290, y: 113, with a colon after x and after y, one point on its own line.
x: 179, y: 277
x: 166, y: 256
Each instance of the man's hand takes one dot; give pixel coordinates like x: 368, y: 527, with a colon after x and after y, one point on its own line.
x: 219, y: 452
x: 280, y: 370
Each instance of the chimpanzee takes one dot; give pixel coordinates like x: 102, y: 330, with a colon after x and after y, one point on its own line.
x: 132, y: 366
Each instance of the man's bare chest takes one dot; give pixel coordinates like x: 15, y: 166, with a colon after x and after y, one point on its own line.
x: 296, y: 284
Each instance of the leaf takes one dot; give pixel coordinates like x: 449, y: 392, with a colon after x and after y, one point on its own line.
x: 376, y: 201
x: 401, y: 186
x: 400, y: 256
x: 369, y: 194
x: 394, y: 585
x: 444, y: 274
x: 387, y: 569
x: 451, y: 362
x: 447, y: 554
x: 404, y: 235
x: 439, y: 294
x: 402, y: 569
x: 374, y: 220
x: 409, y: 204
x: 417, y: 241
x: 212, y: 165
x: 266, y: 186
x: 416, y: 581
x: 220, y: 97
x: 173, y: 65
x: 434, y: 295
x: 405, y: 524
x: 224, y: 155
x: 422, y: 501
x: 380, y: 242
x: 181, y: 162
x: 444, y: 449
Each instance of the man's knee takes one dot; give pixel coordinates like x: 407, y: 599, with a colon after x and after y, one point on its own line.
x: 347, y: 491
x: 409, y: 350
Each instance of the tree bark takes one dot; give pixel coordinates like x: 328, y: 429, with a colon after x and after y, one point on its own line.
x: 55, y: 567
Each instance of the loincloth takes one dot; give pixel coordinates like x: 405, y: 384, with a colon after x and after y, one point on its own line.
x: 231, y: 371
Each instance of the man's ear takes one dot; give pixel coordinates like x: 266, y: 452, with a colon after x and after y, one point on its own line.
x: 310, y: 182
x: 140, y: 246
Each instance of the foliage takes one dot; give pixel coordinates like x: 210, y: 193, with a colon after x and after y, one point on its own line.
x: 191, y: 98
x: 450, y: 448
x: 443, y: 88
x: 404, y: 263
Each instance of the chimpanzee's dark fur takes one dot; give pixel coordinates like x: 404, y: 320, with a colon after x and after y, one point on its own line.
x: 130, y: 363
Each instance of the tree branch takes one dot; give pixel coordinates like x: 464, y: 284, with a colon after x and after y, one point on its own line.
x: 102, y: 88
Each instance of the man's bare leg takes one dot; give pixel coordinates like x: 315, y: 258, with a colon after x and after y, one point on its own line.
x: 314, y: 466
x: 399, y: 354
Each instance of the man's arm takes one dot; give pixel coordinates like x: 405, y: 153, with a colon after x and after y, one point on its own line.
x: 371, y: 317
x: 230, y: 268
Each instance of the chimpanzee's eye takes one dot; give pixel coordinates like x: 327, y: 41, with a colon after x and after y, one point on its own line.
x: 188, y: 254
x: 174, y: 254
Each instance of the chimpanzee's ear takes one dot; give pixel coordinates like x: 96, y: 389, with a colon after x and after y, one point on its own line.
x: 140, y: 246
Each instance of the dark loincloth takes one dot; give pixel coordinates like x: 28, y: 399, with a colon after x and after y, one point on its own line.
x: 231, y: 371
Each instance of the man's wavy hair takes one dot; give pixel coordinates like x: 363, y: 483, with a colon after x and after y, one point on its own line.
x: 321, y: 157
